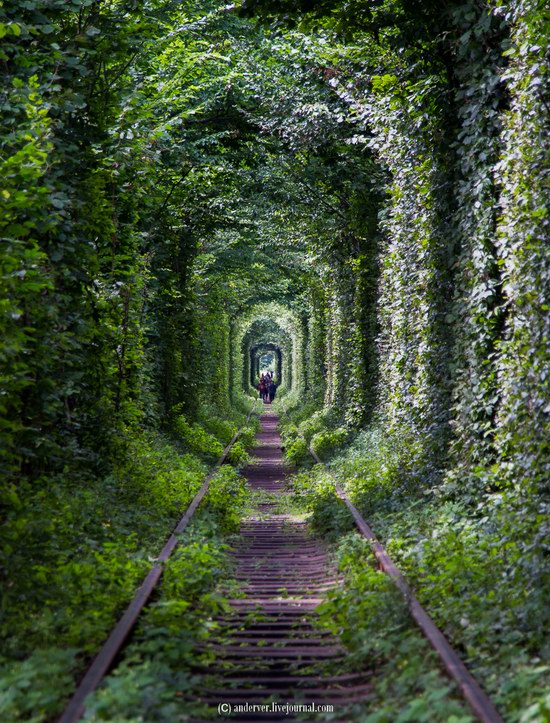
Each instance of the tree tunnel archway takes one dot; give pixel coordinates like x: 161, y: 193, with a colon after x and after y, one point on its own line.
x: 268, y: 328
x: 265, y: 336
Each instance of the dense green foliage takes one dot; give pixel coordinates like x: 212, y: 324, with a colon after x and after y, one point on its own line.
x: 359, y: 187
x: 370, y: 616
x: 467, y: 565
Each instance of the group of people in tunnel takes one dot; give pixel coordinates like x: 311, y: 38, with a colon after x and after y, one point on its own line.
x: 267, y: 387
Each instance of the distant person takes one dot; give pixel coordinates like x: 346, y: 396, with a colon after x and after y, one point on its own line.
x: 262, y: 388
x: 272, y: 390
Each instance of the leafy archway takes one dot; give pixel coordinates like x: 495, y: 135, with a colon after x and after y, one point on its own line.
x: 277, y: 327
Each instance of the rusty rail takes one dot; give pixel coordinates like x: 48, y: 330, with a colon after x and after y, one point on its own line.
x: 104, y: 660
x: 473, y: 693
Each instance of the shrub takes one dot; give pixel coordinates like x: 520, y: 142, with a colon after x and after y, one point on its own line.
x: 324, y: 444
x: 373, y: 472
x: 370, y: 616
x: 163, y: 649
x: 238, y: 455
x: 226, y: 498
x: 30, y: 689
x: 302, y: 412
x: 297, y: 454
x: 152, y: 473
x: 312, y: 426
x: 315, y: 491
x: 82, y: 555
x: 222, y: 429
x: 247, y: 436
x: 196, y: 439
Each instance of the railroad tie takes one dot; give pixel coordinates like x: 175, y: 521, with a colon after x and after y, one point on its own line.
x: 268, y: 649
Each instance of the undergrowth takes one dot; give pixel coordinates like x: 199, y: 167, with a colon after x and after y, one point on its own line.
x: 76, y: 550
x: 155, y: 676
x: 370, y: 617
x: 308, y: 426
x: 476, y: 561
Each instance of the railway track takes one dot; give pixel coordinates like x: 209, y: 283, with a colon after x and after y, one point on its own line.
x: 270, y: 651
x: 270, y: 661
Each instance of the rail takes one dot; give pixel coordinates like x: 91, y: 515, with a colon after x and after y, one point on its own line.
x: 475, y: 696
x: 104, y: 660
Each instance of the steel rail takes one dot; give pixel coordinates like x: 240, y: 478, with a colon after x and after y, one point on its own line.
x: 473, y: 693
x: 104, y: 660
